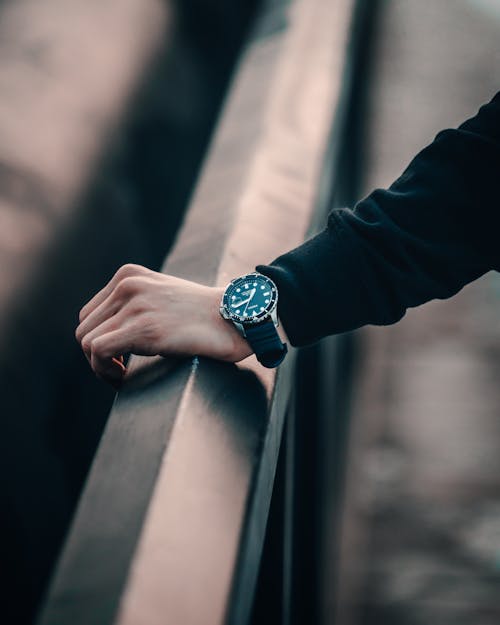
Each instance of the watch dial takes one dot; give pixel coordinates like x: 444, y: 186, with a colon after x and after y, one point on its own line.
x: 250, y: 298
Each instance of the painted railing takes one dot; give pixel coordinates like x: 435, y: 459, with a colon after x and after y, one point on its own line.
x: 205, y: 503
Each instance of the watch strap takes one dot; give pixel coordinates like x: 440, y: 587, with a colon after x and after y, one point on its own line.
x: 266, y: 343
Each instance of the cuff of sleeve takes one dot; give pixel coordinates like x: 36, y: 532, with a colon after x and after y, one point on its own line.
x: 317, y: 292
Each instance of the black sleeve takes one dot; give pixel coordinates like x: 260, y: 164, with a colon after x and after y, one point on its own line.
x: 434, y: 230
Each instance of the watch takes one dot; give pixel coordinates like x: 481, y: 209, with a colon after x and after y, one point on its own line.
x: 250, y: 302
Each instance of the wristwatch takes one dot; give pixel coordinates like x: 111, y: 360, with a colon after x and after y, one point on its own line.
x: 250, y: 302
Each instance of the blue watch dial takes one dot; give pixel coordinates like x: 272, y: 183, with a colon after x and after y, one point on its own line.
x: 250, y: 298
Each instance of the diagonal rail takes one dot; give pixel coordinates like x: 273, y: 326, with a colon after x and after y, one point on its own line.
x: 171, y: 524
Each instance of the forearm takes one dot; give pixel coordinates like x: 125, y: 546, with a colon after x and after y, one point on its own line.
x: 431, y: 232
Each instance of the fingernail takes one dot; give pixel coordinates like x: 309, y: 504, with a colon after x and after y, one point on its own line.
x: 119, y: 363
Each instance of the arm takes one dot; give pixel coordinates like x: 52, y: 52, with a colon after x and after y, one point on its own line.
x: 433, y: 231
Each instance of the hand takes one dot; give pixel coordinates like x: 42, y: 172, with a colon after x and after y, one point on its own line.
x: 144, y: 312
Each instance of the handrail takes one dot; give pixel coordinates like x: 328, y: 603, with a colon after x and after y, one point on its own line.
x: 101, y: 141
x: 171, y: 523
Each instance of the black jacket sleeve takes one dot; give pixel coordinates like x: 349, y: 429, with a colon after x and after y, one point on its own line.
x: 434, y: 230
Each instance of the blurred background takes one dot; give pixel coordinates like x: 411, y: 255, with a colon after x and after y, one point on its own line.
x: 421, y: 540
x: 106, y: 110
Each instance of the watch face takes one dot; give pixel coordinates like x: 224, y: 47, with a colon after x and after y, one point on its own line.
x: 250, y: 298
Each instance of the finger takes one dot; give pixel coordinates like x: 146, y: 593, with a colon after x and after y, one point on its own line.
x: 98, y: 298
x: 115, y: 378
x: 106, y: 309
x: 109, y: 346
x: 125, y: 271
x: 104, y: 351
x: 123, y: 294
x: 110, y: 325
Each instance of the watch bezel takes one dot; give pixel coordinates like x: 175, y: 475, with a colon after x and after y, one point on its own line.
x: 259, y: 318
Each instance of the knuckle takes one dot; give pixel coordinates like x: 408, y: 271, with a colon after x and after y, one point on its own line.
x: 129, y: 269
x: 97, y: 347
x: 128, y: 286
x: 139, y: 305
x: 86, y: 344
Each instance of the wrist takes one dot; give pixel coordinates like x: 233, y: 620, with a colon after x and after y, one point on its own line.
x: 249, y: 303
x: 236, y: 346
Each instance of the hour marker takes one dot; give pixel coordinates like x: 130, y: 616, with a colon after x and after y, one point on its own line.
x: 255, y: 283
x: 238, y: 290
x: 254, y: 312
x: 233, y: 296
x: 246, y: 285
x: 262, y: 287
x: 262, y: 307
x: 237, y: 312
x: 267, y: 293
x: 267, y: 301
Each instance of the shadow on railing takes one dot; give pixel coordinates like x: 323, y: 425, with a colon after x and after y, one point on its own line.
x: 101, y: 142
x: 171, y: 526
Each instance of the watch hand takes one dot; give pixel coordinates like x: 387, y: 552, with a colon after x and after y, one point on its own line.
x: 244, y: 301
x: 252, y: 293
x: 239, y: 304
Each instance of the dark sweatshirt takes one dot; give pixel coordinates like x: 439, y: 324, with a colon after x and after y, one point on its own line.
x: 434, y: 230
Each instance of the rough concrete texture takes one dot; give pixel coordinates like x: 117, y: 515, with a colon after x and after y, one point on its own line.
x: 422, y: 528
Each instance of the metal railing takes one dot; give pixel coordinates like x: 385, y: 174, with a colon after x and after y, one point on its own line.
x: 101, y: 141
x: 194, y: 511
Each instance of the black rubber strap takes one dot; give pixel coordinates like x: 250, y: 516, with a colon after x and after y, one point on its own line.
x: 266, y: 343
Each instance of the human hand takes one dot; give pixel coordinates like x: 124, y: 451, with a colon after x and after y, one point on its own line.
x: 145, y: 312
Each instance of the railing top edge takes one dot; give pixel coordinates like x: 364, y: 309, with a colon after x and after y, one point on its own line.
x: 195, y: 433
